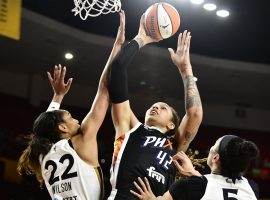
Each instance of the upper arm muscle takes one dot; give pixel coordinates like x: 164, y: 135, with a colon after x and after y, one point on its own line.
x: 123, y: 118
x: 186, y: 132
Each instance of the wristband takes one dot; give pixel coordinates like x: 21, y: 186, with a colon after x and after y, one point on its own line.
x: 53, y: 106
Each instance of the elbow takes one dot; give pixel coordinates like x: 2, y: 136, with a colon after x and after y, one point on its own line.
x: 196, y: 114
x: 199, y: 113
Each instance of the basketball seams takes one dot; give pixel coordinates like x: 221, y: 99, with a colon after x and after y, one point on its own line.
x: 147, y: 13
x: 170, y: 20
x: 167, y: 12
x: 154, y: 13
x: 160, y: 35
x: 174, y: 17
x: 157, y: 16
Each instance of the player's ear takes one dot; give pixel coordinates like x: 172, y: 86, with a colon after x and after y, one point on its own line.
x: 215, y: 158
x: 62, y: 128
x: 170, y: 126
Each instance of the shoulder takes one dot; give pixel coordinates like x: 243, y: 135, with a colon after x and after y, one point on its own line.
x: 137, y: 127
x: 183, y: 188
x: 57, y: 149
x: 254, y: 186
x: 62, y: 146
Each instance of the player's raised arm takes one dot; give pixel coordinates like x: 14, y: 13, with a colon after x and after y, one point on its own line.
x: 191, y: 121
x: 123, y: 117
x: 95, y: 117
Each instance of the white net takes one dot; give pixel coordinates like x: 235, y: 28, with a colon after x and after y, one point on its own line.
x: 94, y: 8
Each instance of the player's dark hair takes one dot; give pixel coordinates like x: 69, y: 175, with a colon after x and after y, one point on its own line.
x: 175, y: 120
x: 45, y: 134
x: 236, y: 155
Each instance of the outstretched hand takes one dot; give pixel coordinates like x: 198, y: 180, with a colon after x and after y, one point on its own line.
x: 145, y: 190
x: 142, y: 34
x: 57, y: 82
x: 184, y: 164
x: 181, y: 57
x: 120, y: 38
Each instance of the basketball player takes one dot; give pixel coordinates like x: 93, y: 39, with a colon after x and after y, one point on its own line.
x: 62, y: 153
x: 228, y: 158
x: 147, y: 149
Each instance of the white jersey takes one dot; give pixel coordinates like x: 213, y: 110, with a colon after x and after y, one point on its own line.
x: 220, y: 187
x: 68, y: 177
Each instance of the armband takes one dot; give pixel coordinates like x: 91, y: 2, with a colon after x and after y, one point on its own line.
x: 53, y: 106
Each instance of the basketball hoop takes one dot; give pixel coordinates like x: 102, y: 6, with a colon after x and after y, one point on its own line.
x: 94, y: 8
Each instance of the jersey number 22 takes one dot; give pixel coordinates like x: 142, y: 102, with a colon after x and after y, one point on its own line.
x: 66, y: 174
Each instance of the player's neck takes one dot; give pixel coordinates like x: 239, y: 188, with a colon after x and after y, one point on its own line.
x: 153, y: 126
x: 215, y: 170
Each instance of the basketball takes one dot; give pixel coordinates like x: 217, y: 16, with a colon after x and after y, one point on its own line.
x: 161, y: 21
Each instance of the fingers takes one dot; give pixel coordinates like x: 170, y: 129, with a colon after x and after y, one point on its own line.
x: 142, y: 19
x: 63, y: 74
x: 147, y: 184
x: 142, y: 25
x: 171, y: 51
x: 136, y: 194
x: 69, y: 82
x: 57, y: 72
x: 180, y: 156
x: 183, y: 41
x: 122, y: 20
x: 188, y: 43
x: 138, y: 187
x: 142, y: 184
x: 120, y: 38
x: 59, y: 75
x: 184, y: 38
x: 179, y: 41
x: 177, y: 156
x: 144, y: 189
x: 178, y: 166
x: 50, y: 77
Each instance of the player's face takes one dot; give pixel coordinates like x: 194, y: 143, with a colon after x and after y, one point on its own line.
x: 213, y: 151
x: 71, y: 124
x: 159, y: 114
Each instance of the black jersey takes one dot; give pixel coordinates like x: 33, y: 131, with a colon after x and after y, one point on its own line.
x: 142, y: 152
x: 213, y: 187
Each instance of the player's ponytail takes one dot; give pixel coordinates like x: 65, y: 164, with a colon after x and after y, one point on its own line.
x: 45, y: 134
x: 236, y: 155
x: 248, y: 150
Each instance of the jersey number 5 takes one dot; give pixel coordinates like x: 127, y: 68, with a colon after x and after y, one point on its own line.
x: 66, y: 174
x: 226, y: 194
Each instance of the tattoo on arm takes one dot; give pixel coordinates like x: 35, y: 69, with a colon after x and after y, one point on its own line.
x: 188, y: 137
x: 192, y: 97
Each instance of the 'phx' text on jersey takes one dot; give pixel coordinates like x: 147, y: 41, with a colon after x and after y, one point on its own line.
x: 142, y: 152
